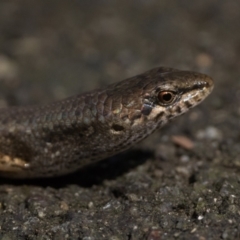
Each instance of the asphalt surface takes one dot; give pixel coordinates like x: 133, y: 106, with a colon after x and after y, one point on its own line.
x: 160, y: 189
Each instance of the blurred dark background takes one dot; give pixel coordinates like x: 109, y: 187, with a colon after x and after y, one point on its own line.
x: 55, y: 48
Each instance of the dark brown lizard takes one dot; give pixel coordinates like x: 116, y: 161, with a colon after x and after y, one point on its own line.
x: 61, y: 137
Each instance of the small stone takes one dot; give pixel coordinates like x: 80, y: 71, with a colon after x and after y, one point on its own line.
x: 204, y: 60
x: 8, y: 69
x: 210, y: 132
x: 64, y: 206
x: 183, y: 142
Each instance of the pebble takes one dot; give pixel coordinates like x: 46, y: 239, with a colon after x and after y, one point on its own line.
x: 210, y: 132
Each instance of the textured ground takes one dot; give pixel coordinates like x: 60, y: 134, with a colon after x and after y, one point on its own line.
x: 158, y: 190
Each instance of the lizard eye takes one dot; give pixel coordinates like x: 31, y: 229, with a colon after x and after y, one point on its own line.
x: 166, y: 97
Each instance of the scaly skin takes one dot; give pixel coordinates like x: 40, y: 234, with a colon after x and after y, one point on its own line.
x: 61, y: 137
